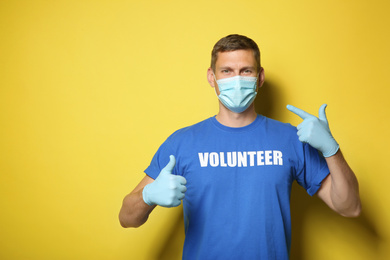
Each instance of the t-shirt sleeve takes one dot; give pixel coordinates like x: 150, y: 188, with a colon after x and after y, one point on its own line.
x: 160, y: 160
x: 312, y: 171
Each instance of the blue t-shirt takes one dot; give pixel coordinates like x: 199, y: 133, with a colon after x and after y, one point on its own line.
x: 237, y: 204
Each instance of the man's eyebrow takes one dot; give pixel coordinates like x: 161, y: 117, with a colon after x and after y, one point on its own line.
x: 248, y: 67
x: 230, y: 68
x: 225, y: 68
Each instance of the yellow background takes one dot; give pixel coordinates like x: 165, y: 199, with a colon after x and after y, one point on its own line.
x: 90, y: 89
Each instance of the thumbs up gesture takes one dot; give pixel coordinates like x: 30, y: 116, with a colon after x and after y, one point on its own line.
x: 167, y: 190
x: 315, y: 131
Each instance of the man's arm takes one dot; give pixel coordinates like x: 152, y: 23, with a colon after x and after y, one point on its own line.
x: 167, y: 190
x: 135, y: 211
x: 340, y: 189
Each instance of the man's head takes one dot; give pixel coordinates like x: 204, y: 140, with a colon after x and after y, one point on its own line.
x: 235, y: 55
x: 235, y: 42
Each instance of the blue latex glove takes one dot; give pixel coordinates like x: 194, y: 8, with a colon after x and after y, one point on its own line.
x: 315, y: 131
x: 167, y: 190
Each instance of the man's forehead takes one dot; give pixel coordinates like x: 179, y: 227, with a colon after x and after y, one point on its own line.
x: 236, y: 57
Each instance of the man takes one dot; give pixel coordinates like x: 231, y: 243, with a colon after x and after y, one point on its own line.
x: 234, y: 171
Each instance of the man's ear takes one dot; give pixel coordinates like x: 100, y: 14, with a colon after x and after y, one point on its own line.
x: 261, y: 79
x: 210, y: 77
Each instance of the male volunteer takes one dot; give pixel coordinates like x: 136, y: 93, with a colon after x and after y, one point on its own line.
x: 234, y: 171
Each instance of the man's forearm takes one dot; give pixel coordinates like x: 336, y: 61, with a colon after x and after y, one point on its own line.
x: 344, y: 187
x: 134, y: 211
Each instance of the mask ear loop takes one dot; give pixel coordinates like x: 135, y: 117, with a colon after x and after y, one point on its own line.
x: 215, y: 83
x: 257, y: 79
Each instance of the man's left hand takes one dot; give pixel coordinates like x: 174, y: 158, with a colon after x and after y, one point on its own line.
x: 315, y: 131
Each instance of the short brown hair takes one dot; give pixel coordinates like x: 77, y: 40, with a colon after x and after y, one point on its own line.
x: 235, y: 42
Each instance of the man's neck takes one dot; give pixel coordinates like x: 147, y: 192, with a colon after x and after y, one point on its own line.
x: 231, y: 119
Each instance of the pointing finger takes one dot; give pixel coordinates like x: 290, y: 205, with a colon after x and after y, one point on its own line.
x: 299, y: 112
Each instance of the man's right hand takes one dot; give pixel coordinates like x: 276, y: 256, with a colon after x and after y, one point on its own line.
x: 167, y: 190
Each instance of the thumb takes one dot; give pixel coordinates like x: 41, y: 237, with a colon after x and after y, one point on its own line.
x: 169, y: 167
x: 322, y: 114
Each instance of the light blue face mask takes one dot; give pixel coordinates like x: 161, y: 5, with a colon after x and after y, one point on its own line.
x: 237, y: 93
